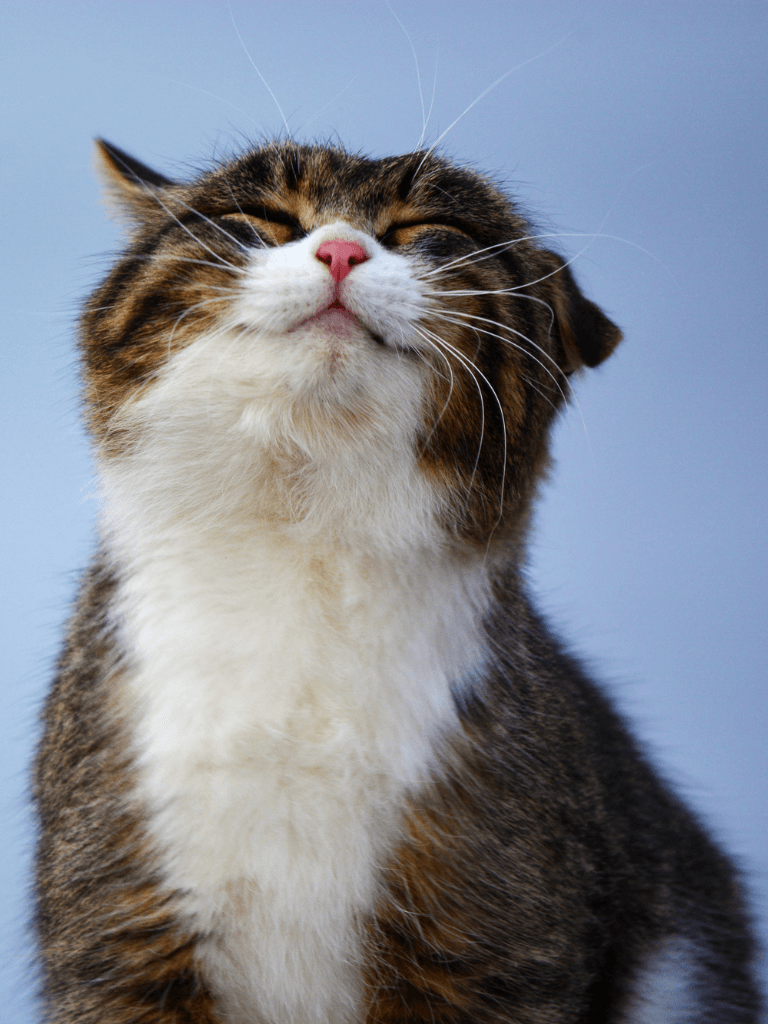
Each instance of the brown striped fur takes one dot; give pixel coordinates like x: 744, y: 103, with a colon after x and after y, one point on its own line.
x: 532, y: 883
x: 110, y: 939
x: 544, y: 864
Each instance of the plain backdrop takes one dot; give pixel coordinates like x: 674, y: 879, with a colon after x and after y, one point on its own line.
x: 635, y: 134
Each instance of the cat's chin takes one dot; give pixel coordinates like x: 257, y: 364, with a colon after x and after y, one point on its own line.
x: 336, y: 319
x: 338, y: 331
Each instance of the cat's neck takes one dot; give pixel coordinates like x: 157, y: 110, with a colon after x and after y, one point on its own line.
x: 203, y: 455
x: 375, y: 618
x: 311, y: 676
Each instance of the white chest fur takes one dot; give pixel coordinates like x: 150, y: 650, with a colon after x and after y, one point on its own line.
x: 293, y: 626
x: 287, y: 699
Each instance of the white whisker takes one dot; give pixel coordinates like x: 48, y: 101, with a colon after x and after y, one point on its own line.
x: 470, y: 258
x: 253, y: 64
x: 434, y: 90
x: 186, y: 313
x: 450, y: 379
x: 520, y: 348
x: 418, y: 75
x: 490, y: 88
x: 156, y: 198
x: 472, y: 368
x: 426, y: 334
x: 453, y: 315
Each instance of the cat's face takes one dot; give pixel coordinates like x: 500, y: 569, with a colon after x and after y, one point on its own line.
x: 311, y: 319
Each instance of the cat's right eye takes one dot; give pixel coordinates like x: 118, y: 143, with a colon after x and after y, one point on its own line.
x: 409, y: 231
x: 271, y: 226
x: 268, y: 230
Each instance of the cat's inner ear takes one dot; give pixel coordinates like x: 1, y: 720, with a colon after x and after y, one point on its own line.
x: 586, y: 335
x: 132, y: 188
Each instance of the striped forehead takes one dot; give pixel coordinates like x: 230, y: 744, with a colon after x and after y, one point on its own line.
x: 318, y: 184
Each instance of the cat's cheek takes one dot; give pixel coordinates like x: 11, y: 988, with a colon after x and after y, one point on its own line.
x: 280, y: 289
x: 389, y: 298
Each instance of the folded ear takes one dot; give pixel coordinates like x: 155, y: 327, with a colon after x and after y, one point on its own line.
x: 134, y: 188
x: 586, y: 335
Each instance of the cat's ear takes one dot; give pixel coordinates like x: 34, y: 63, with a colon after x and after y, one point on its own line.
x: 134, y: 189
x: 586, y: 335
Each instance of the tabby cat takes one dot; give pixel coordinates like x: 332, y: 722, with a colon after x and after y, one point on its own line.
x: 311, y: 756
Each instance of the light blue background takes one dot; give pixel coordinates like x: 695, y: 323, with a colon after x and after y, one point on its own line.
x: 642, y: 126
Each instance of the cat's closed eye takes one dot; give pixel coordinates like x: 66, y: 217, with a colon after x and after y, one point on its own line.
x: 272, y: 226
x: 411, y: 231
x: 312, y: 755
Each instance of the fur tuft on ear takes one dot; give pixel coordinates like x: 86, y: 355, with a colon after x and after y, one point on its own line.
x: 587, y: 336
x: 130, y: 185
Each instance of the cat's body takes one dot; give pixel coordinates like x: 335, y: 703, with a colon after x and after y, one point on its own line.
x: 311, y: 755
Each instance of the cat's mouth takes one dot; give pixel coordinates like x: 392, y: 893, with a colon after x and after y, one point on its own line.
x: 335, y: 318
x: 338, y: 322
x: 339, y: 305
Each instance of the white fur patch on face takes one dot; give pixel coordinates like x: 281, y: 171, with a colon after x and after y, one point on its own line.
x: 287, y: 286
x: 291, y: 411
x: 293, y: 624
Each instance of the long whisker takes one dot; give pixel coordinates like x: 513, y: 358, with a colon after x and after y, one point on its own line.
x: 155, y: 196
x: 490, y: 88
x: 478, y: 255
x: 428, y: 335
x: 434, y: 89
x: 304, y: 125
x: 472, y: 368
x: 471, y: 258
x: 459, y: 317
x: 244, y: 247
x: 503, y: 291
x: 221, y: 261
x: 185, y: 313
x: 567, y: 396
x: 451, y: 380
x: 205, y: 92
x: 169, y: 257
x: 253, y: 64
x: 520, y: 348
x: 190, y: 309
x: 454, y: 313
x: 544, y: 277
x: 418, y: 76
x: 222, y: 231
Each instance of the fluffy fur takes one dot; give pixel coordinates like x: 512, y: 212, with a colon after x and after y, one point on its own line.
x: 311, y: 756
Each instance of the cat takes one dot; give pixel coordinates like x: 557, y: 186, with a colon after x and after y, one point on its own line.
x: 311, y: 754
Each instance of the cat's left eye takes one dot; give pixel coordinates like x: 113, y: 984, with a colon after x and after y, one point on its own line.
x: 272, y: 227
x: 402, y: 234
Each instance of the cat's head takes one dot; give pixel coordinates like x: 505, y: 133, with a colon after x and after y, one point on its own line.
x: 309, y: 334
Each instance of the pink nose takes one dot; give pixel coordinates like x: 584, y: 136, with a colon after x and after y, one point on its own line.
x: 340, y: 256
